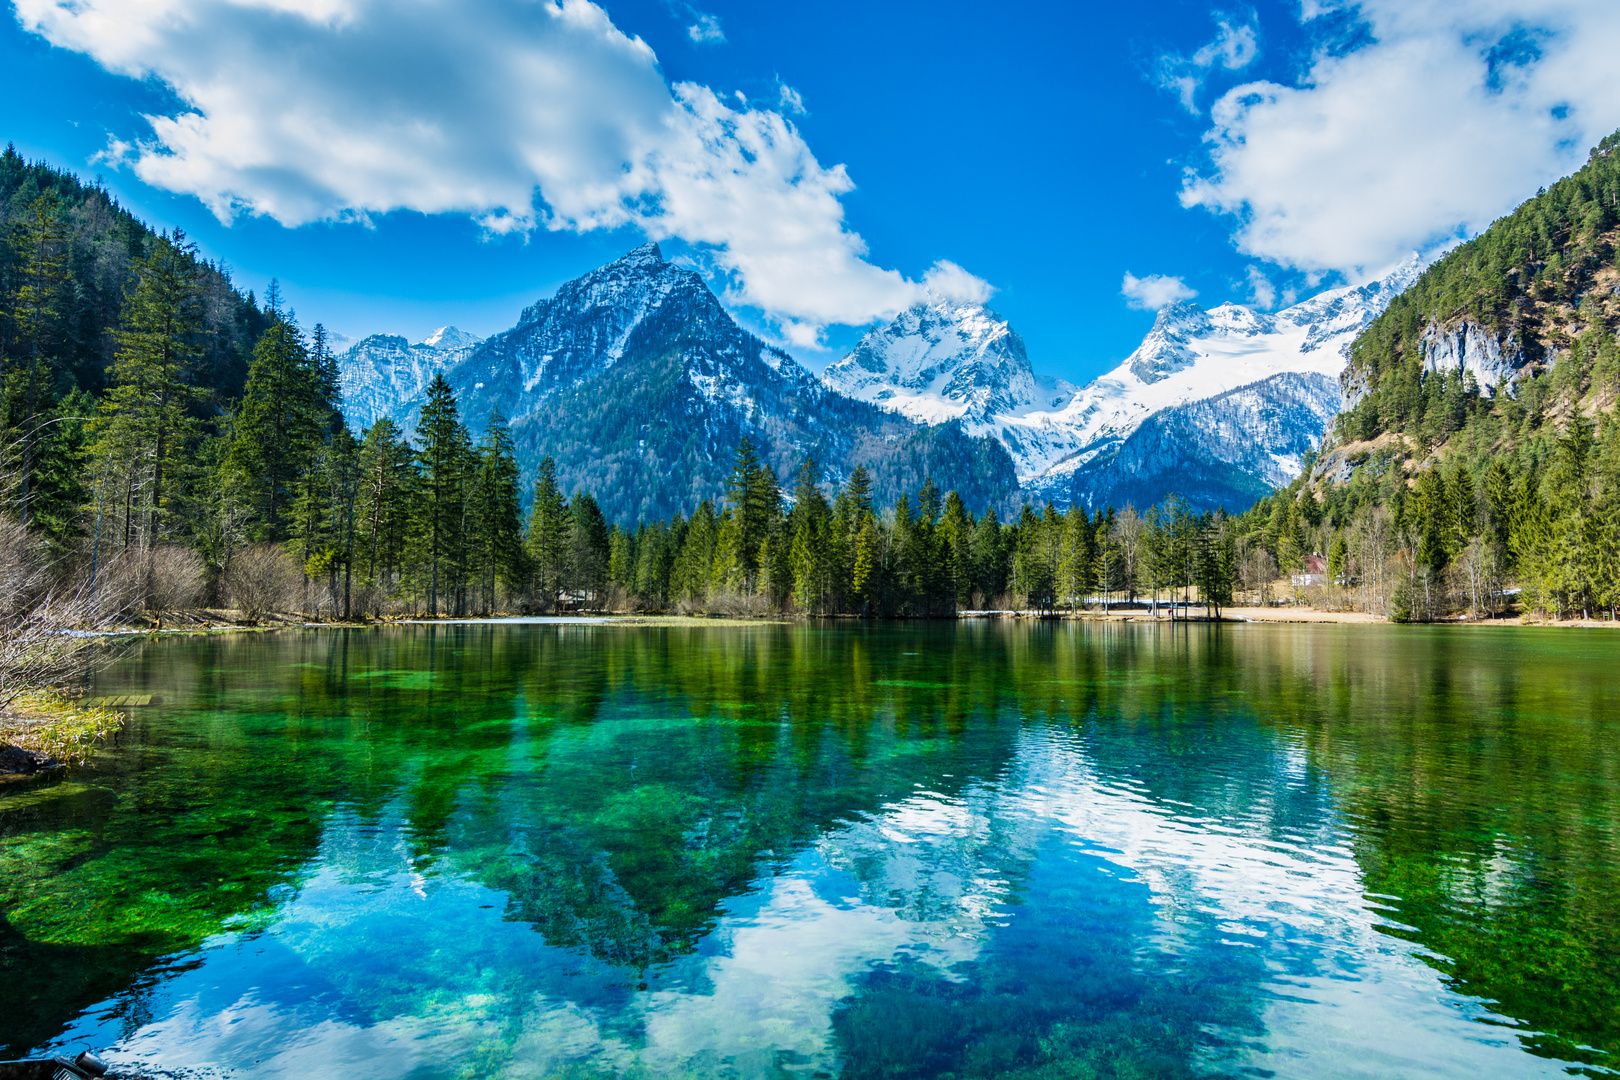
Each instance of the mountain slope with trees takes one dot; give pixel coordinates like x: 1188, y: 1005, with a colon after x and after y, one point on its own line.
x: 1480, y: 448
x: 637, y: 383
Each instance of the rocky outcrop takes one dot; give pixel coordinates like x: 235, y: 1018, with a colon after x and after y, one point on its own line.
x: 14, y: 760
x: 1469, y: 347
x: 1168, y: 347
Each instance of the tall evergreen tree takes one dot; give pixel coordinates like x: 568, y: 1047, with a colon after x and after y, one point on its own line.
x: 146, y: 428
x: 549, y: 524
x: 443, y: 456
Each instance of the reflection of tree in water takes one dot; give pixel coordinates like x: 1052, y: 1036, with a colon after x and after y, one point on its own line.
x: 621, y: 783
x: 1476, y: 778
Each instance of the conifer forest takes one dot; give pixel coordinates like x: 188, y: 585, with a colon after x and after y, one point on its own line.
x: 173, y: 440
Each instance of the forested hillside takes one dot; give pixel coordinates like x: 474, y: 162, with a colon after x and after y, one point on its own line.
x: 1479, y: 451
x: 70, y: 259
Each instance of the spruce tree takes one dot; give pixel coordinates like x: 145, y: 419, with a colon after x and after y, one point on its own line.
x: 146, y: 423
x: 443, y: 454
x: 549, y: 524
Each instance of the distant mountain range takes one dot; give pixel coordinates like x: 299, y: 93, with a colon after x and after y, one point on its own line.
x: 639, y: 383
x: 1214, y: 405
x: 385, y: 375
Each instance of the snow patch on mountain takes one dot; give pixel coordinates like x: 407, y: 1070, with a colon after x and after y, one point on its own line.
x: 384, y: 374
x: 945, y: 360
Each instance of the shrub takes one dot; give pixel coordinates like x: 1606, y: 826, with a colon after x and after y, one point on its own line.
x: 262, y: 579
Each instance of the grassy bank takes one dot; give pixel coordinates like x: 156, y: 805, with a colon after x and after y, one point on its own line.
x: 46, y: 723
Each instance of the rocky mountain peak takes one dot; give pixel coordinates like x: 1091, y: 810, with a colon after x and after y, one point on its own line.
x: 939, y: 360
x: 448, y: 337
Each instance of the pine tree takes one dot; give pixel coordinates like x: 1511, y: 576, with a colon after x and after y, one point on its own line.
x: 39, y: 245
x: 549, y: 524
x: 810, y: 527
x: 756, y: 501
x: 344, y: 463
x: 387, y: 472
x: 278, y: 430
x: 443, y: 456
x: 497, y: 513
x: 956, y: 548
x: 589, y: 548
x: 868, y: 552
x: 694, y: 565
x: 146, y: 423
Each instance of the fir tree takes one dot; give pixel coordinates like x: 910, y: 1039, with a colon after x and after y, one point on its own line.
x: 443, y: 456
x: 549, y: 525
x: 146, y: 423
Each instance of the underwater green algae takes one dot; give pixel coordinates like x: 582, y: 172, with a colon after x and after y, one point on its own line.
x: 876, y: 851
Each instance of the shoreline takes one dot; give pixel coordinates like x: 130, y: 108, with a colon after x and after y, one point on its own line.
x: 45, y: 732
x: 217, y: 621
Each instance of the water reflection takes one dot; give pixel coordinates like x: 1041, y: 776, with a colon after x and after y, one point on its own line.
x: 766, y: 851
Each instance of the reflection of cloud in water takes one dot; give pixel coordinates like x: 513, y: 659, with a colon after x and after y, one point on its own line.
x: 372, y: 970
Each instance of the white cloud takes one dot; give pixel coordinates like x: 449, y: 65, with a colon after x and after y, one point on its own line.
x: 1261, y: 290
x: 950, y: 282
x: 521, y: 113
x: 789, y: 100
x: 1154, y: 291
x: 706, y: 30
x: 1234, y: 48
x: 1451, y: 115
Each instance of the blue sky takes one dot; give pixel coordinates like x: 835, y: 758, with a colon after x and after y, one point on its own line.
x: 378, y: 164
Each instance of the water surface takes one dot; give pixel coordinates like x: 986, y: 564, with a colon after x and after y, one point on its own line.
x: 970, y: 850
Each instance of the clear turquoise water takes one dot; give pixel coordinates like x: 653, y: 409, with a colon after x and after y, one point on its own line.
x: 967, y: 850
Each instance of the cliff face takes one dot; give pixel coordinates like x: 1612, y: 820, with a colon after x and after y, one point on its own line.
x: 1476, y: 350
x: 1537, y: 288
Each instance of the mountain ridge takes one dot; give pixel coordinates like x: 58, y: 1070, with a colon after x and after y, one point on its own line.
x: 640, y: 385
x: 1059, y: 436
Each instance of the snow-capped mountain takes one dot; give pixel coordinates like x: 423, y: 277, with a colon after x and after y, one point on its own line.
x: 945, y: 361
x: 637, y: 382
x: 384, y: 374
x: 963, y: 360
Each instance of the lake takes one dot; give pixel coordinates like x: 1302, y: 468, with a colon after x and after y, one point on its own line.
x: 980, y: 849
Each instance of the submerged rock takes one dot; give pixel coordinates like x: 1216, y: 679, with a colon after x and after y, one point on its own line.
x: 15, y: 760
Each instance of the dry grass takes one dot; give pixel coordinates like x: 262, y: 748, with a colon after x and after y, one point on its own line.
x: 48, y: 723
x: 43, y: 614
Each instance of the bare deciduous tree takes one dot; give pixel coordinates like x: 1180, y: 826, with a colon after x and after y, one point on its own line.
x: 45, y: 617
x: 262, y: 579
